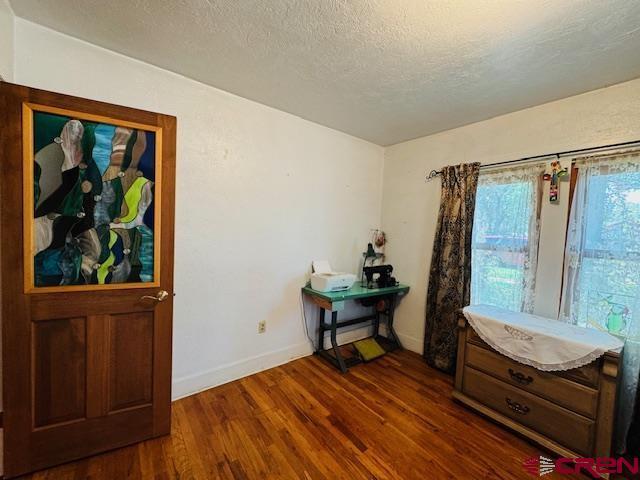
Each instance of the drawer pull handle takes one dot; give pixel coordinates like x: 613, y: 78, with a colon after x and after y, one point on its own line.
x: 520, y: 377
x: 516, y: 407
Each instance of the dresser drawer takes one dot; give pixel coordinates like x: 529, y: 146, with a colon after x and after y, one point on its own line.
x: 574, y: 396
x: 586, y: 375
x: 567, y: 428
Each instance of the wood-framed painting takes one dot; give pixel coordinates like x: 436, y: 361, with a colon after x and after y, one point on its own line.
x: 92, y: 185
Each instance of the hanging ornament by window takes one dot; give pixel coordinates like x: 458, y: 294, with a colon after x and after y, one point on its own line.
x: 557, y: 173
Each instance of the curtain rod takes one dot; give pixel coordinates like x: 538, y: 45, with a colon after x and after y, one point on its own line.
x: 434, y: 173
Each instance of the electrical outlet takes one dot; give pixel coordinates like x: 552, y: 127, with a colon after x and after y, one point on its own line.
x: 262, y: 326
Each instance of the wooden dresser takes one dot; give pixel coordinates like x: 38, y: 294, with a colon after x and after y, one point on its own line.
x: 571, y: 413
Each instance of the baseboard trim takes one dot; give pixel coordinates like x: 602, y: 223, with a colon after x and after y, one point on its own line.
x: 411, y: 343
x: 191, y: 384
x: 198, y: 382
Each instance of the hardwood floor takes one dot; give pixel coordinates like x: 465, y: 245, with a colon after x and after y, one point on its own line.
x: 390, y: 419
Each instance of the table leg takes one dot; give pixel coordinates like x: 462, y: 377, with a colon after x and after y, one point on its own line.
x: 334, y: 342
x: 376, y: 322
x: 392, y: 308
x: 320, y: 345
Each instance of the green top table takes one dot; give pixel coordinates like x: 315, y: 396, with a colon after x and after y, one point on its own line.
x: 357, y: 291
x: 334, y: 302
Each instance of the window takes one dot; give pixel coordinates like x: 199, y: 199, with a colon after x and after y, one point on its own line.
x: 601, y: 285
x: 505, y: 238
x: 602, y: 259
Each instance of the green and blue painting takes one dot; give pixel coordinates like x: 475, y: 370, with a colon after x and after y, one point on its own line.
x: 93, y: 192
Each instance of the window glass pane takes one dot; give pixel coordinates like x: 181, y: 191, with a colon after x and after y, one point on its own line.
x: 613, y: 213
x: 502, y: 215
x: 501, y: 241
x: 608, y: 277
x: 497, y: 279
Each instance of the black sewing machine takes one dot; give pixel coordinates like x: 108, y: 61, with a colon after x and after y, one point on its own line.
x: 379, y: 276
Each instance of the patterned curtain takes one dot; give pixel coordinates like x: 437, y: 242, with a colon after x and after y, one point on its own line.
x: 450, y: 273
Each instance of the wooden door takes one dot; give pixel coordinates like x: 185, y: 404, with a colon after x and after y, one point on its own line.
x: 86, y: 221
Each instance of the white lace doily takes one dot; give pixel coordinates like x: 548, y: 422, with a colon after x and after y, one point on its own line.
x: 539, y: 342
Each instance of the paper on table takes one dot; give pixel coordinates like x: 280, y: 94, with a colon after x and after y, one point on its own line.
x: 321, y: 266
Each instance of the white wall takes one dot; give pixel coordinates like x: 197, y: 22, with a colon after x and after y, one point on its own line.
x: 410, y: 205
x: 260, y: 193
x: 6, y: 41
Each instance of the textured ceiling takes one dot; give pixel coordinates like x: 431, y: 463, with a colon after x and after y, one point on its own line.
x: 382, y: 70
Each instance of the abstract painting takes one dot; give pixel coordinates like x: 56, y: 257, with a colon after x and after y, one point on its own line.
x: 93, y: 199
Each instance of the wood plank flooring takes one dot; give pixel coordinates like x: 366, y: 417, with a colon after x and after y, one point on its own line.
x: 389, y: 419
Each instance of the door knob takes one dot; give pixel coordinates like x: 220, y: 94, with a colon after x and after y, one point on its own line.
x: 161, y: 296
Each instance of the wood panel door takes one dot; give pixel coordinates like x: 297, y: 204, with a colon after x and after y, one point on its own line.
x: 86, y: 221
